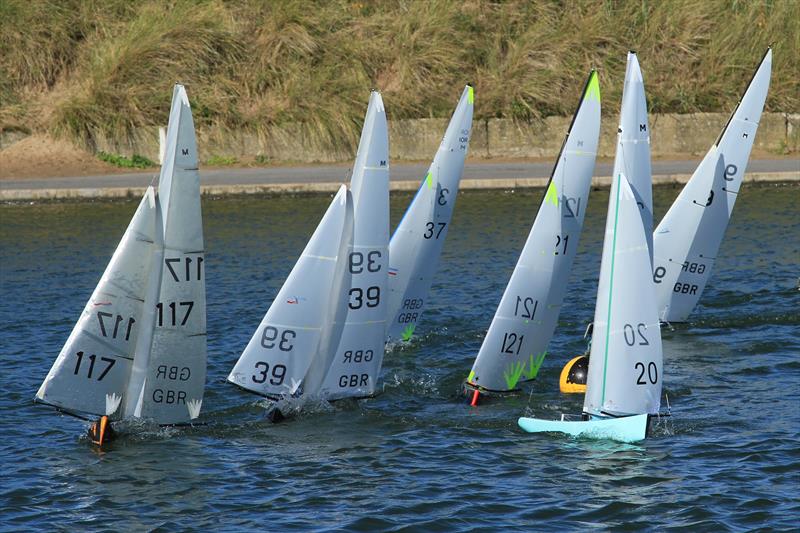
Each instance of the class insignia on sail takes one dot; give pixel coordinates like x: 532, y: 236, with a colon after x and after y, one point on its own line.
x: 516, y: 343
x: 688, y: 238
x: 139, y: 347
x: 625, y: 373
x: 416, y: 246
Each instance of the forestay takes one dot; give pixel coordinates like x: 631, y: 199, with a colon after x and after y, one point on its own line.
x: 417, y: 242
x: 357, y: 361
x: 176, y: 368
x: 516, y: 343
x: 91, y: 372
x: 625, y: 363
x: 687, y: 240
x: 632, y: 157
x: 297, y: 332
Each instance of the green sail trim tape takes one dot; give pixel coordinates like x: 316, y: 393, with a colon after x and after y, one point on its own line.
x: 552, y: 194
x: 593, y: 89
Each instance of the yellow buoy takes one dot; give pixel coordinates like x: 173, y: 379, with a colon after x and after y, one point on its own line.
x: 573, y: 375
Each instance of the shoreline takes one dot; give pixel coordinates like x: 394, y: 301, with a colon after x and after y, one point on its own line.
x: 216, y: 190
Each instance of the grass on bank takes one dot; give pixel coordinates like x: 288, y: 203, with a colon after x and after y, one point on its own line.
x: 88, y: 68
x: 135, y: 161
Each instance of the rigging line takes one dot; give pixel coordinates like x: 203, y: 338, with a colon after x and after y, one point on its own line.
x: 610, y: 290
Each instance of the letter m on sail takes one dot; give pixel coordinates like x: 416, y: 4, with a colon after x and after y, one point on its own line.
x: 185, y: 151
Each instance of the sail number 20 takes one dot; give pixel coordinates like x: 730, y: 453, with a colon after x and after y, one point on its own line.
x: 629, y: 333
x: 652, y: 373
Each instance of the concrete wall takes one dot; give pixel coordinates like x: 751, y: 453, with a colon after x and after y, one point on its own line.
x: 671, y: 135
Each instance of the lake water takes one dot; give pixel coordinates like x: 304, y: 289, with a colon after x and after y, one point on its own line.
x: 416, y: 457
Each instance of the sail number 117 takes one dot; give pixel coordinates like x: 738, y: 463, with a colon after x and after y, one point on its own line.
x: 186, y: 273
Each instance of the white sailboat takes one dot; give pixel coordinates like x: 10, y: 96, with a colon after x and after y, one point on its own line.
x: 687, y: 240
x: 516, y: 343
x: 416, y: 245
x: 623, y: 387
x: 293, y: 346
x: 357, y: 360
x: 139, y: 347
x: 632, y: 158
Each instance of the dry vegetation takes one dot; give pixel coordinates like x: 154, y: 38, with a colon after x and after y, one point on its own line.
x: 79, y: 69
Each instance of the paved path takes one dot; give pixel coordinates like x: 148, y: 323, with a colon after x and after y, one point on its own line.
x: 404, y: 176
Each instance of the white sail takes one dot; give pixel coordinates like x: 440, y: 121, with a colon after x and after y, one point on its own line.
x: 633, y: 144
x: 91, y: 372
x: 357, y: 360
x: 296, y: 332
x: 417, y: 243
x: 687, y: 240
x: 516, y: 342
x: 176, y: 368
x: 625, y: 363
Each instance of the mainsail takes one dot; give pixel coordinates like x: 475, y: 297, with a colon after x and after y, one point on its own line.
x: 176, y: 370
x: 625, y: 364
x: 516, y: 343
x: 633, y: 145
x: 357, y: 361
x: 417, y: 243
x: 91, y: 372
x: 687, y: 240
x: 139, y: 349
x: 292, y: 347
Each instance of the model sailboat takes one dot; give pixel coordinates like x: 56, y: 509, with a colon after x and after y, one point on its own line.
x: 687, y: 240
x: 625, y: 367
x: 358, y: 357
x: 417, y: 243
x: 139, y: 348
x: 517, y: 340
x: 293, y: 346
x: 623, y: 387
x: 632, y: 158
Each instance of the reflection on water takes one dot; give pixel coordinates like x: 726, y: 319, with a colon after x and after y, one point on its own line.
x: 416, y: 454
